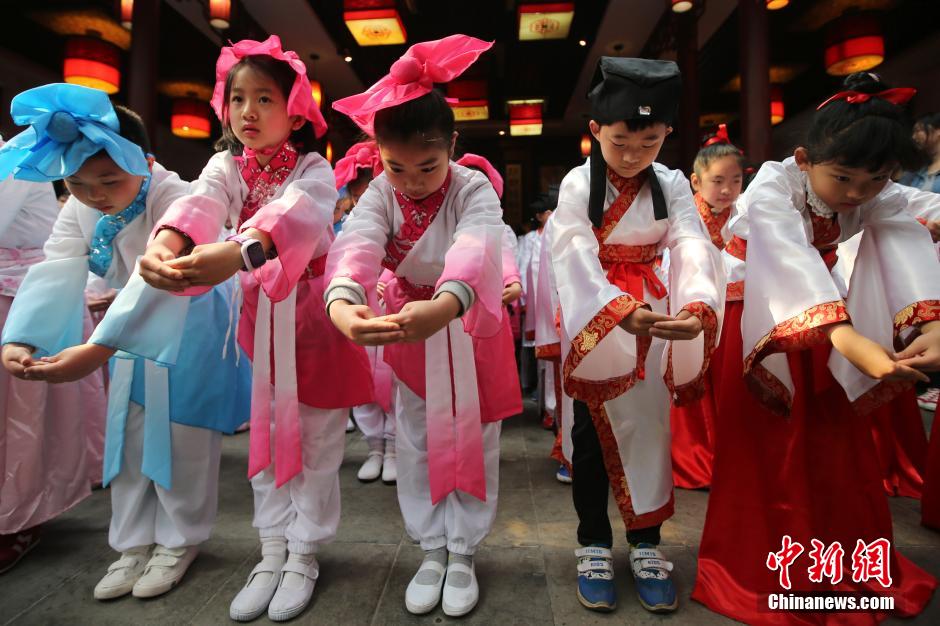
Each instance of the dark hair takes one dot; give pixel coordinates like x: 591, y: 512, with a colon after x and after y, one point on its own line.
x: 873, y: 135
x: 709, y: 154
x: 425, y: 119
x: 930, y: 120
x: 303, y: 139
x: 132, y: 127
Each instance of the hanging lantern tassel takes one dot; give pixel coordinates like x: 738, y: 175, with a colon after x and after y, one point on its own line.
x: 190, y: 119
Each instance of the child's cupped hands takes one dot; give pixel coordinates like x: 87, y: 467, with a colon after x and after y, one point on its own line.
x: 209, y: 264
x: 924, y: 352
x: 359, y: 323
x: 69, y: 365
x: 16, y: 358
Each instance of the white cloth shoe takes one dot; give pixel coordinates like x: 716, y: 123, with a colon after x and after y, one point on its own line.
x: 424, y: 590
x: 350, y: 425
x: 164, y: 570
x: 461, y: 591
x: 295, y: 588
x: 372, y: 468
x: 253, y: 599
x: 123, y: 573
x: 390, y: 464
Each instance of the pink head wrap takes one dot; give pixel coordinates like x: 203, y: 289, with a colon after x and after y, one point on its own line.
x: 362, y: 156
x: 475, y: 160
x: 412, y: 76
x: 299, y: 102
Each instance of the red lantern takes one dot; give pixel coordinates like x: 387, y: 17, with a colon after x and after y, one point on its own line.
x: 776, y: 105
x: 681, y: 6
x: 538, y: 22
x: 92, y: 63
x: 374, y: 22
x: 472, y: 104
x: 220, y: 13
x: 585, y: 145
x: 126, y: 8
x: 525, y: 117
x: 854, y: 44
x: 773, y: 5
x: 190, y: 119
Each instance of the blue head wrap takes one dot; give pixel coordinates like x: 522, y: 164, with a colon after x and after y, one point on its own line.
x: 67, y: 124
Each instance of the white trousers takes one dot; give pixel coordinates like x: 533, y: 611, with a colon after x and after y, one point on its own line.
x: 547, y: 380
x: 376, y: 425
x: 459, y: 521
x: 306, y: 509
x: 142, y: 512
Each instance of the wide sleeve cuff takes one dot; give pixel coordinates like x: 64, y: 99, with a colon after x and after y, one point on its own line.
x: 806, y: 330
x: 685, y: 392
x: 459, y: 289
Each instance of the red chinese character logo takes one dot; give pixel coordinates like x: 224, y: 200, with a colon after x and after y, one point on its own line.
x: 872, y: 561
x: 782, y: 560
x: 827, y: 562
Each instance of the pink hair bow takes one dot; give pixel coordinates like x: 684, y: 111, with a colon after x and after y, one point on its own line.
x: 299, y: 102
x: 412, y: 76
x: 899, y: 96
x: 362, y: 156
x: 475, y: 160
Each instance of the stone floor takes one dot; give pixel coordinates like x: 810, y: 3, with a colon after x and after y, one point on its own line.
x: 525, y: 568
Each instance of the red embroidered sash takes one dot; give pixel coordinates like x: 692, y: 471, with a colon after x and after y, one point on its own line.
x: 714, y: 222
x: 264, y: 182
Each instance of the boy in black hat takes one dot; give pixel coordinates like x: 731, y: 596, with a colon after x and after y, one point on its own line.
x: 616, y: 216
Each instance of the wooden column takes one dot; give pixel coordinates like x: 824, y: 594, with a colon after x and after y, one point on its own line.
x: 755, y: 79
x: 688, y: 122
x: 142, y: 67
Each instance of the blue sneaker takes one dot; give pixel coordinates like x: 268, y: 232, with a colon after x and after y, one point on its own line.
x: 596, y: 589
x: 563, y: 475
x: 651, y: 573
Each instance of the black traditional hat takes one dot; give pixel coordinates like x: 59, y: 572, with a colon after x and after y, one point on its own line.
x: 626, y: 89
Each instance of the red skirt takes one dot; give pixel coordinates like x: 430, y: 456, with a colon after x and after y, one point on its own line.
x: 901, y: 441
x: 813, y: 475
x: 930, y: 502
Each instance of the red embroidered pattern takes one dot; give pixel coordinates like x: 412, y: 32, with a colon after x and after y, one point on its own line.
x: 735, y: 291
x: 418, y: 216
x: 550, y: 352
x: 799, y: 332
x: 264, y: 182
x: 618, y: 479
x: 611, y: 253
x: 692, y: 390
x: 629, y: 189
x: 714, y: 222
x: 879, y: 395
x: 917, y: 313
x: 737, y: 248
x: 599, y: 327
x: 769, y: 390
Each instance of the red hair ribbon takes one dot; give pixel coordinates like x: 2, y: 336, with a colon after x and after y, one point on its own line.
x: 720, y: 136
x: 898, y: 96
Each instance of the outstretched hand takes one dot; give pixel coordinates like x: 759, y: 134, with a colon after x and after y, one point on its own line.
x: 71, y: 364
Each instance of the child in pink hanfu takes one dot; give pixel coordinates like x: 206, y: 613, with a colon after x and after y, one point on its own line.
x: 376, y: 420
x: 281, y: 196
x: 46, y: 467
x: 438, y: 226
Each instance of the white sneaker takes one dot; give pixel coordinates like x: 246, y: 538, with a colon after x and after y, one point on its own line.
x: 164, y: 570
x: 424, y: 590
x: 122, y: 574
x: 295, y: 588
x: 253, y: 599
x: 461, y: 591
x: 390, y: 464
x: 372, y: 468
x: 350, y: 425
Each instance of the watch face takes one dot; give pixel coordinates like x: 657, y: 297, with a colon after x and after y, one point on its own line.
x: 256, y: 254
